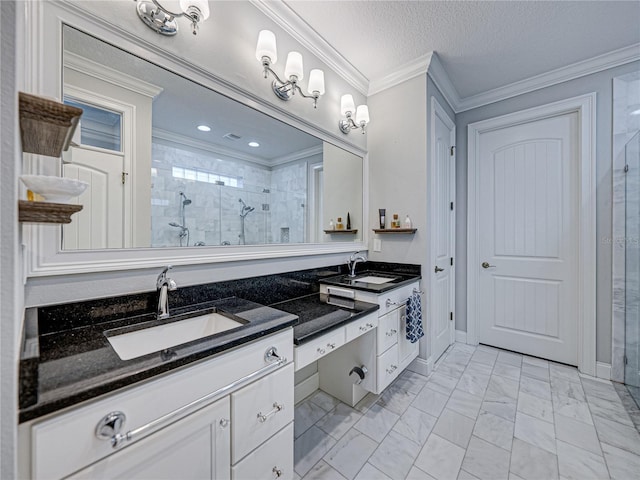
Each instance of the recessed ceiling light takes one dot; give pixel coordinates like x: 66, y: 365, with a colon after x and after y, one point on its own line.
x: 254, y: 144
x: 636, y: 112
x: 204, y: 128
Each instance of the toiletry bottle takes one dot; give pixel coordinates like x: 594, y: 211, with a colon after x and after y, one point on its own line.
x: 339, y: 225
x: 407, y: 222
x: 381, y: 212
x: 348, y: 221
x: 331, y: 225
x: 395, y: 222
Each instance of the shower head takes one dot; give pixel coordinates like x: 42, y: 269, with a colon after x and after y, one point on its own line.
x: 185, y: 200
x: 174, y: 224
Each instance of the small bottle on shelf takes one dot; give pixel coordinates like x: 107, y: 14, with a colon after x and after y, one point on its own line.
x: 339, y: 225
x: 348, y: 221
x: 407, y: 222
x: 331, y: 225
x: 395, y: 223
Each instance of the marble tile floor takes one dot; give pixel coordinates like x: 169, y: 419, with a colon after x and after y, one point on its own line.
x: 483, y: 413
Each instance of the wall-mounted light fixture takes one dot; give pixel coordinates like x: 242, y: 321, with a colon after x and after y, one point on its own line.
x: 267, y: 54
x: 161, y: 20
x: 347, y: 107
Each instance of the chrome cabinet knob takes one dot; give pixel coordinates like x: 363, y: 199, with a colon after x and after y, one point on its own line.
x: 321, y: 351
x: 110, y: 425
x: 224, y: 423
x: 277, y: 472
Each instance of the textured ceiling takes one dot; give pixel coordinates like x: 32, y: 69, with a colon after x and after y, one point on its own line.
x: 482, y: 45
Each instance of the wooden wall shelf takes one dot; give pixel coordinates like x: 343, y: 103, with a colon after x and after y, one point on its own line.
x: 351, y: 231
x: 46, y: 212
x: 46, y: 126
x: 395, y: 230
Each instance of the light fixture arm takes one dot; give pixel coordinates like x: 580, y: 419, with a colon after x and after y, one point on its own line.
x: 284, y: 89
x: 348, y: 124
x: 162, y: 20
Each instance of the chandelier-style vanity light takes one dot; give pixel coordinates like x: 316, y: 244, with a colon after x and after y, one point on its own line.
x: 267, y: 54
x: 347, y: 107
x: 161, y: 20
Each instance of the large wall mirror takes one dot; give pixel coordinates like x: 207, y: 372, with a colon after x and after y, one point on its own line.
x: 173, y: 164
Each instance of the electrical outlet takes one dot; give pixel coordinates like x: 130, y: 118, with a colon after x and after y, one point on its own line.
x: 377, y: 245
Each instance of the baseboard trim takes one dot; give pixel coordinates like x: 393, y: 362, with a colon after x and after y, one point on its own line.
x: 306, y: 387
x: 603, y: 370
x: 461, y: 337
x: 421, y: 366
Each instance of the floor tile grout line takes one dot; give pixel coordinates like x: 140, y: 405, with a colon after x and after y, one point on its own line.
x: 604, y: 458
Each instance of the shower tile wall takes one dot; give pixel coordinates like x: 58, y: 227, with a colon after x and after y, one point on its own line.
x: 213, y: 217
x: 626, y: 98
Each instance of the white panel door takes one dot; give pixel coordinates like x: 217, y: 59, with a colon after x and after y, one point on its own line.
x: 100, y: 223
x: 528, y: 238
x: 441, y: 235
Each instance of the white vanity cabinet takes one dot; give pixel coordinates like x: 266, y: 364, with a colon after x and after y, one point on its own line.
x: 393, y: 352
x: 204, y: 420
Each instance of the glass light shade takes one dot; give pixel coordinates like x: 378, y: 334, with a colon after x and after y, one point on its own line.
x: 294, y: 66
x: 362, y: 115
x: 316, y: 81
x: 266, y: 46
x: 347, y: 104
x: 202, y: 5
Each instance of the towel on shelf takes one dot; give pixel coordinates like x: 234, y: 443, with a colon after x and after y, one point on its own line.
x: 414, y: 317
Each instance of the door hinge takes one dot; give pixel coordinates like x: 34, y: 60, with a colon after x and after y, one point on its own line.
x: 452, y: 261
x: 453, y: 147
x: 451, y: 206
x: 626, y: 168
x: 625, y: 360
x: 124, y: 177
x: 451, y: 316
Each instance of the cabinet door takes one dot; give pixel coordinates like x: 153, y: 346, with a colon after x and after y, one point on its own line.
x: 196, y: 447
x: 387, y: 368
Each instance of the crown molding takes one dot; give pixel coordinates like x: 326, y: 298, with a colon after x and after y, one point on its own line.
x: 579, y: 69
x: 295, y: 26
x: 102, y: 72
x: 440, y: 77
x: 176, y: 138
x: 403, y: 73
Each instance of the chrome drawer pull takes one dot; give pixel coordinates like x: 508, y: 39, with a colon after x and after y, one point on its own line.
x: 389, y: 303
x: 321, y: 351
x: 277, y: 471
x: 331, y: 345
x: 392, y: 332
x: 392, y: 369
x: 370, y: 325
x: 366, y: 327
x: 276, y: 408
x: 224, y: 423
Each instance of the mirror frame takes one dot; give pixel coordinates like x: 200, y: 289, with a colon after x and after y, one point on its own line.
x: 42, y: 45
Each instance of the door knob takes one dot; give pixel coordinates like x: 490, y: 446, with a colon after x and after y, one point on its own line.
x: 486, y: 265
x: 438, y: 269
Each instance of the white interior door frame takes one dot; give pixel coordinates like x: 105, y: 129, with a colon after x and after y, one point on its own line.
x: 585, y: 107
x: 438, y: 111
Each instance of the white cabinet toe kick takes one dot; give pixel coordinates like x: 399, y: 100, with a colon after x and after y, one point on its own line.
x: 374, y: 347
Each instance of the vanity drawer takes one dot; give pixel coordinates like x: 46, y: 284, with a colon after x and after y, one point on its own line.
x: 318, y: 348
x: 361, y: 326
x: 259, y: 410
x: 387, y: 331
x: 388, y: 368
x: 272, y: 460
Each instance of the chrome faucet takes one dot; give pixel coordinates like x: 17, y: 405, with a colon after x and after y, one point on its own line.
x: 353, y: 261
x: 164, y: 284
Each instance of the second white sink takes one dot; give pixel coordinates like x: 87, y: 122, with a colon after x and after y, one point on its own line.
x: 154, y: 339
x: 374, y: 279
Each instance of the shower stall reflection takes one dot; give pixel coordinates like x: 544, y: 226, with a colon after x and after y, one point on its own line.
x: 244, y: 211
x: 184, y: 231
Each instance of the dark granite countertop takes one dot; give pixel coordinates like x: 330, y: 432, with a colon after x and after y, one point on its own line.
x: 396, y: 279
x: 67, y: 367
x: 319, y: 313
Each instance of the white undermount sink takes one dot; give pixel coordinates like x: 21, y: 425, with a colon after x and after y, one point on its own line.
x: 374, y: 279
x: 154, y: 339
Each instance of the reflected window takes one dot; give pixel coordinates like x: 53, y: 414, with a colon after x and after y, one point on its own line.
x: 206, y: 177
x: 98, y: 127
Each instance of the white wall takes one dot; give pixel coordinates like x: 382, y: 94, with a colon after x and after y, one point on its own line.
x: 11, y: 293
x: 397, y: 144
x: 602, y: 84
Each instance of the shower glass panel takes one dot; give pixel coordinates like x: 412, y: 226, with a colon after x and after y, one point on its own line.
x: 632, y: 267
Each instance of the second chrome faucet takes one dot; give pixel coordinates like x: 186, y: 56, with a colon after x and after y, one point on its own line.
x: 353, y: 261
x: 164, y: 284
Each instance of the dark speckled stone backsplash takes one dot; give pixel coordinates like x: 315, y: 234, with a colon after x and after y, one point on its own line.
x: 266, y: 290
